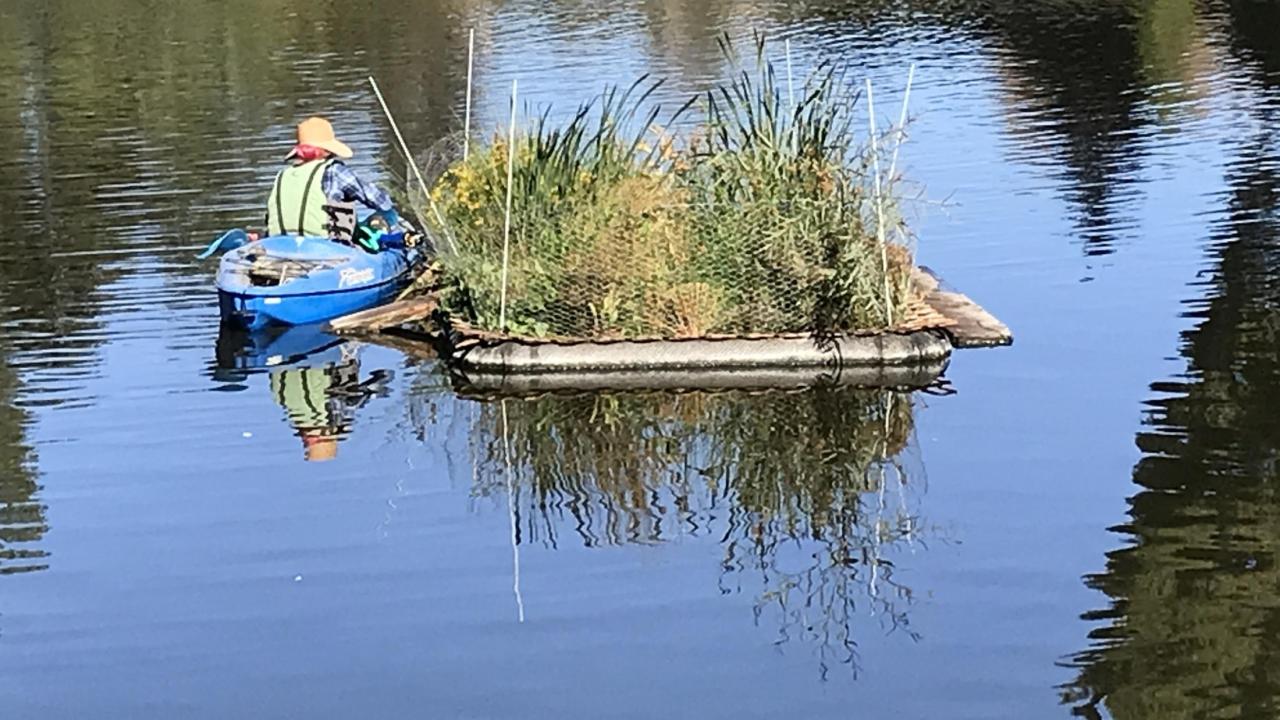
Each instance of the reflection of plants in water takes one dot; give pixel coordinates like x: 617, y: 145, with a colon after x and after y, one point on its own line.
x: 842, y: 568
x: 806, y: 491
x: 22, y: 517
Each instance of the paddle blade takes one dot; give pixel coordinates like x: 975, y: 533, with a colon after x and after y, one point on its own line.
x: 230, y: 240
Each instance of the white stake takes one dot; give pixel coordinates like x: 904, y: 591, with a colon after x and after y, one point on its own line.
x: 902, y: 123
x: 899, y: 137
x: 506, y: 229
x: 466, y: 123
x: 884, y: 249
x: 791, y: 92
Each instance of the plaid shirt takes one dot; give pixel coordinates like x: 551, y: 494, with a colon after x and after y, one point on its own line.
x: 342, y: 184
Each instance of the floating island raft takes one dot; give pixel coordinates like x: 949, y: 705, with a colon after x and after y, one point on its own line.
x: 912, y: 354
x: 733, y: 242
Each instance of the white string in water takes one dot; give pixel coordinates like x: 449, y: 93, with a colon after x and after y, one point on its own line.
x: 511, y: 514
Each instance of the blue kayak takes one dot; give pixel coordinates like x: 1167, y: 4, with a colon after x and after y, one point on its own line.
x: 289, y: 280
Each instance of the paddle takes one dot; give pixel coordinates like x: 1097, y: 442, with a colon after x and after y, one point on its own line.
x: 230, y: 240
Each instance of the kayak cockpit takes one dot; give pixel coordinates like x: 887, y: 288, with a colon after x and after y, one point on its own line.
x: 262, y: 270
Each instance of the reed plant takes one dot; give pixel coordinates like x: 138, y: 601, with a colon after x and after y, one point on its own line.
x: 756, y: 217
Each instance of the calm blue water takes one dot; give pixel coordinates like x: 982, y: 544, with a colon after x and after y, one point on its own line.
x: 1086, y: 526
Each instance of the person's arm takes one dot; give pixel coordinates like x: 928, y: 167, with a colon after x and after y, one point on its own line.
x: 354, y: 189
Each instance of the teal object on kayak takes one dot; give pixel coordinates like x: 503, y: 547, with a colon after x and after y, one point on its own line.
x: 289, y: 280
x: 228, y: 241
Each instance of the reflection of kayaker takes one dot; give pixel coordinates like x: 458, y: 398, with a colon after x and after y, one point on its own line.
x: 319, y: 418
x: 320, y: 401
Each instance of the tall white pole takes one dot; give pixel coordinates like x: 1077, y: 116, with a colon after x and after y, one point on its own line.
x: 506, y: 229
x: 791, y: 92
x: 884, y: 249
x: 466, y: 124
x: 902, y: 123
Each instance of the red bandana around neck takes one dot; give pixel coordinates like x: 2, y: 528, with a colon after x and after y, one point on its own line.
x: 307, y: 153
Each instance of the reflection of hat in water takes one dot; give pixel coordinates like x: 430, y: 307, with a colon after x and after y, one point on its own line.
x: 319, y: 447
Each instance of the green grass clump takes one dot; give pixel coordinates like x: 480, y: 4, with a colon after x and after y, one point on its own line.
x: 759, y: 219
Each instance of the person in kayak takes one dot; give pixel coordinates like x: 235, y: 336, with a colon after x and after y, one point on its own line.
x: 317, y: 191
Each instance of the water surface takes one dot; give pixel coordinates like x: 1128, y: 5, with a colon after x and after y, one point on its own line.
x: 1082, y: 524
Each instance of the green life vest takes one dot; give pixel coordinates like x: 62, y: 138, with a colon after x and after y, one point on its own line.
x: 296, y: 205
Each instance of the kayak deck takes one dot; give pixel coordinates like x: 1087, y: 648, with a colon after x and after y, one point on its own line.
x: 289, y: 280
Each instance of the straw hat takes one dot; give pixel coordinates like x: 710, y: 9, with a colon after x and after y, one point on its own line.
x: 318, y: 132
